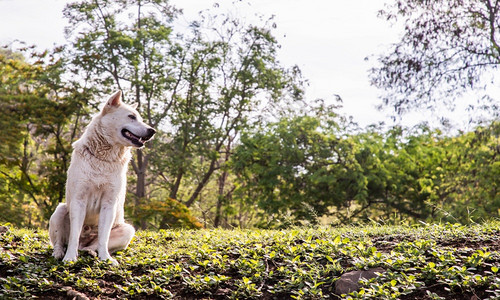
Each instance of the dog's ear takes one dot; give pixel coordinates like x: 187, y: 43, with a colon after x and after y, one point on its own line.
x: 114, y: 100
x: 134, y: 105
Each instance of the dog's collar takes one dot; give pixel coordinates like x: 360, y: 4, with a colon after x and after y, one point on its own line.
x: 87, y: 149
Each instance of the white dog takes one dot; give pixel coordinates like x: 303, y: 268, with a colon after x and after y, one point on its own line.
x: 92, y: 219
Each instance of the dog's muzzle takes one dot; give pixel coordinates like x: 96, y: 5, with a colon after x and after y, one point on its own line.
x: 136, y: 139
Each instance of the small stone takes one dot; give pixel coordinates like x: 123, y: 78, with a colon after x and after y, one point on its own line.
x: 75, y: 295
x: 349, y: 282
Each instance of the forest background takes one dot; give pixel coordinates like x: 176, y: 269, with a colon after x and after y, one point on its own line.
x: 238, y: 145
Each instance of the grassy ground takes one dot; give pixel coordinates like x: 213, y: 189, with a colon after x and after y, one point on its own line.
x: 423, y: 262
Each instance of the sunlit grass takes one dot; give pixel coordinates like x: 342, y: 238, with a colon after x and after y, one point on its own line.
x: 429, y: 261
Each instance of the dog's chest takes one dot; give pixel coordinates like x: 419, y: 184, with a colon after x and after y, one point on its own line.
x: 98, y: 174
x: 104, y: 184
x: 96, y: 184
x: 108, y: 193
x: 101, y: 180
x: 94, y: 203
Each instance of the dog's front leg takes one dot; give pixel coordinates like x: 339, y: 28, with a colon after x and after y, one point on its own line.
x: 106, y: 220
x: 76, y: 218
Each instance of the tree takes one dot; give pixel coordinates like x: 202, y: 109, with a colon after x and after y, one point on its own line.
x: 39, y: 111
x: 307, y: 168
x: 420, y: 174
x: 299, y: 166
x: 197, y: 88
x: 125, y: 44
x: 230, y: 70
x: 469, y: 188
x: 448, y: 48
x: 407, y: 174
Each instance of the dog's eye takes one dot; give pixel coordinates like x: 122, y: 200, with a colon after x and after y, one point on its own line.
x: 133, y: 117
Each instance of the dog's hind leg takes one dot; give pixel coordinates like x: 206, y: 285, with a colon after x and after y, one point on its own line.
x: 59, y: 230
x: 120, y: 237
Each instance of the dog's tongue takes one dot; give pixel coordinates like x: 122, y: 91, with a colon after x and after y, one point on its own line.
x: 131, y: 135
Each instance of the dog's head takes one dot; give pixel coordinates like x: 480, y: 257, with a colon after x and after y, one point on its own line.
x: 124, y: 124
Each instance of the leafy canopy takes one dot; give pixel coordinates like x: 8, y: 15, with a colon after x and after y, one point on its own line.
x: 447, y: 49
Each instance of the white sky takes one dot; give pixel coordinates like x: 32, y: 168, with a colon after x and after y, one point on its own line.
x: 328, y: 39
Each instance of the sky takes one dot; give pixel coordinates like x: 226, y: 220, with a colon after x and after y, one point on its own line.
x: 328, y: 39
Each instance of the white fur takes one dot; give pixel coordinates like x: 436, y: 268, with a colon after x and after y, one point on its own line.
x: 92, y: 219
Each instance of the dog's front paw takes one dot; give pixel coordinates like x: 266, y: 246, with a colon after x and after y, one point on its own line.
x: 69, y: 257
x: 108, y: 258
x: 58, y: 252
x: 111, y: 261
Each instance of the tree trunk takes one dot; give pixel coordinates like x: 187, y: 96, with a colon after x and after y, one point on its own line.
x: 177, y: 183
x: 202, y: 184
x: 140, y: 188
x: 220, y: 198
x: 173, y: 195
x: 222, y: 183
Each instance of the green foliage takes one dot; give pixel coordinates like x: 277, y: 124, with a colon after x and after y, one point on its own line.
x: 177, y: 215
x: 309, y: 169
x: 433, y: 261
x: 299, y: 165
x: 425, y: 175
x: 36, y: 126
x: 198, y: 88
x: 235, y: 146
x: 470, y: 189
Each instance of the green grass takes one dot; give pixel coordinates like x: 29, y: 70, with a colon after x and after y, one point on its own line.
x: 423, y: 262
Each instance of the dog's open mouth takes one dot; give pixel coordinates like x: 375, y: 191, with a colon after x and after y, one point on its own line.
x: 136, y: 140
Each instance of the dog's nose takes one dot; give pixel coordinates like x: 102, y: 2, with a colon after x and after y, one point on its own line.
x: 151, y: 132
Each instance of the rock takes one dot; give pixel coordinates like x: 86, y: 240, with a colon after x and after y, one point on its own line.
x: 349, y: 282
x: 75, y: 295
x: 4, y: 229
